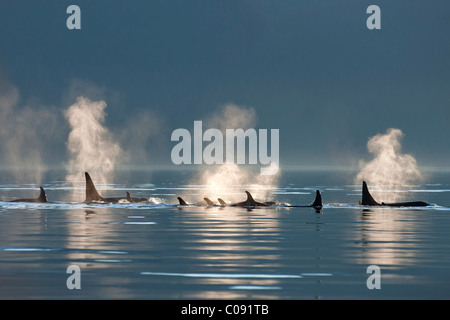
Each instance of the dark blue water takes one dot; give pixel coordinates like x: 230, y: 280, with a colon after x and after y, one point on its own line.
x: 158, y: 250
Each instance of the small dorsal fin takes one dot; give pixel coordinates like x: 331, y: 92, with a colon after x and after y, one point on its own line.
x: 182, y: 202
x: 250, y: 201
x: 318, y: 200
x: 91, y: 191
x: 222, y: 203
x: 208, y: 202
x: 42, y: 195
x: 367, y: 199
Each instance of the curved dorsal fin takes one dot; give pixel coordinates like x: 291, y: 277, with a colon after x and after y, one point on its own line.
x: 42, y: 195
x: 129, y: 197
x: 367, y: 199
x: 91, y: 191
x: 250, y: 201
x: 208, y: 202
x: 222, y: 203
x: 182, y: 202
x: 318, y: 200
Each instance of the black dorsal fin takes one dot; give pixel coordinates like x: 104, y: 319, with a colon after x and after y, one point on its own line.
x: 91, y: 191
x: 318, y: 200
x: 250, y: 201
x: 182, y: 202
x: 367, y: 199
x: 42, y: 195
x: 129, y: 197
x: 208, y: 202
x: 222, y: 203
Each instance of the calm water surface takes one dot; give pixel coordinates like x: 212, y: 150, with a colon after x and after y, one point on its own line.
x: 160, y: 251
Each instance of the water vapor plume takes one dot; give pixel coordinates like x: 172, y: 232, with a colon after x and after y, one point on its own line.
x: 90, y: 144
x: 26, y: 133
x: 389, y: 166
x: 230, y: 180
x: 231, y: 116
x: 142, y: 137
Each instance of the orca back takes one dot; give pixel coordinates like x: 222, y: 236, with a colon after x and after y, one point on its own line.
x: 367, y: 199
x: 42, y: 196
x: 318, y: 200
x: 250, y: 201
x: 91, y: 191
x: 182, y: 202
x: 407, y: 204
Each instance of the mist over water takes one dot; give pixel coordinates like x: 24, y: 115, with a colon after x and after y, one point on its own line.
x: 228, y: 180
x: 26, y: 130
x: 90, y: 144
x: 389, y: 167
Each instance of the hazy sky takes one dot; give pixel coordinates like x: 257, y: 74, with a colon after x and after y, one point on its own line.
x: 311, y: 69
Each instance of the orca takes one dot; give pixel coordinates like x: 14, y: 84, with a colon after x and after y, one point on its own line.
x: 206, y: 203
x: 368, y: 200
x: 133, y: 199
x: 317, y: 204
x: 250, y: 202
x: 209, y: 202
x: 42, y: 198
x: 92, y: 194
x: 182, y: 202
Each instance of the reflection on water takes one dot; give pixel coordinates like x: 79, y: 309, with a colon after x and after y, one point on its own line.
x: 87, y: 231
x: 392, y: 236
x: 160, y: 251
x: 230, y: 241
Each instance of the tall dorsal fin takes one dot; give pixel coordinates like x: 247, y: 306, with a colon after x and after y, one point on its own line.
x: 91, y: 191
x: 129, y: 197
x: 367, y: 199
x: 250, y: 201
x: 318, y: 200
x: 222, y: 203
x: 208, y: 202
x: 42, y: 195
x: 182, y: 202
